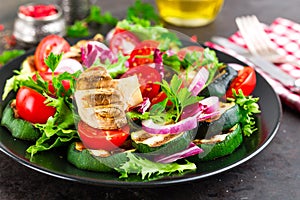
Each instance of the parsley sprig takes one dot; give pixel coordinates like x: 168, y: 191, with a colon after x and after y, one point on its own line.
x: 53, y: 60
x: 138, y: 13
x: 141, y: 10
x: 81, y: 27
x: 248, y: 107
x: 180, y: 97
x: 163, y: 112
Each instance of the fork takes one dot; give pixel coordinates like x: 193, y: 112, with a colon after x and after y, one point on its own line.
x: 258, y: 41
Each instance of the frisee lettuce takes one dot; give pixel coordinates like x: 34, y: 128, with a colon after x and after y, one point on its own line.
x: 147, y: 169
x: 248, y: 107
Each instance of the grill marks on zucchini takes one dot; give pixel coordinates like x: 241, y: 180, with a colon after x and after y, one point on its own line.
x: 161, y: 144
x: 229, y: 116
x: 220, y: 84
x: 219, y: 145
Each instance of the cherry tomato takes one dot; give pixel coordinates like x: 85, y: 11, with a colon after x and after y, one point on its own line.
x: 47, y: 76
x: 118, y: 30
x: 146, y: 76
x: 245, y: 80
x: 159, y: 98
x: 50, y: 43
x: 182, y: 52
x: 94, y: 138
x: 31, y: 107
x: 123, y: 42
x: 143, y: 53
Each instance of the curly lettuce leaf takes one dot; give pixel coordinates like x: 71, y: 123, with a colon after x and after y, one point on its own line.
x: 147, y: 169
x: 248, y: 107
x: 58, y: 130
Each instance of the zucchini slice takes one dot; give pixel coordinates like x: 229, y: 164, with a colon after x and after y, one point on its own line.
x: 220, y: 85
x: 219, y: 145
x: 90, y: 160
x: 229, y: 116
x: 161, y: 144
x: 19, y: 128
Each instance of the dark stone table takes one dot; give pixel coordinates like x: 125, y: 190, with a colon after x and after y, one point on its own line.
x: 272, y: 174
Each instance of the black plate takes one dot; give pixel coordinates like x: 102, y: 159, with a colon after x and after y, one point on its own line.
x: 54, y: 163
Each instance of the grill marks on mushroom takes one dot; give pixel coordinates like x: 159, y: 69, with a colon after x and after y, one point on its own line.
x: 100, y: 103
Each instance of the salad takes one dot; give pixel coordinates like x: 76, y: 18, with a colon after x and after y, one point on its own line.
x: 143, y: 100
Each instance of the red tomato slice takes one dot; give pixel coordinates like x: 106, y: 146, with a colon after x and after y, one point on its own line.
x: 143, y: 53
x: 182, y: 52
x: 31, y: 107
x: 50, y: 43
x: 94, y: 138
x: 123, y: 42
x: 47, y: 76
x: 245, y: 80
x: 146, y: 76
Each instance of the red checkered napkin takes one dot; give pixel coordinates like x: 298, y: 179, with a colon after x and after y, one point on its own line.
x: 285, y: 35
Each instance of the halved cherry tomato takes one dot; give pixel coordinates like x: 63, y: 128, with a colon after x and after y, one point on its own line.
x: 146, y: 76
x: 31, y: 107
x: 94, y: 138
x: 123, y: 42
x: 47, y: 76
x: 118, y: 30
x: 50, y: 43
x: 245, y: 80
x: 182, y: 52
x: 159, y: 98
x: 143, y: 53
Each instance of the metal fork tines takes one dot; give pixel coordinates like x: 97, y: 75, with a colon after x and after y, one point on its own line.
x: 258, y: 41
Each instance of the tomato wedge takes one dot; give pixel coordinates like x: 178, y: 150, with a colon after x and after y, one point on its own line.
x: 123, y: 42
x: 147, y: 76
x: 31, y: 107
x: 143, y: 53
x: 50, y: 43
x: 94, y: 138
x: 47, y: 76
x: 245, y: 80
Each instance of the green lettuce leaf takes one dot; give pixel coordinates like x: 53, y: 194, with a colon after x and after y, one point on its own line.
x: 147, y: 169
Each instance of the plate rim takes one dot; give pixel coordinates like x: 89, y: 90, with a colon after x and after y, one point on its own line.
x: 155, y: 183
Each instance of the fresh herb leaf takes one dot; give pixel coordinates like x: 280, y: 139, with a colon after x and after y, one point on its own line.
x: 96, y: 16
x: 248, y: 107
x: 53, y: 60
x: 142, y: 11
x: 78, y: 29
x: 147, y: 169
x: 81, y: 28
x: 180, y: 97
x: 8, y: 55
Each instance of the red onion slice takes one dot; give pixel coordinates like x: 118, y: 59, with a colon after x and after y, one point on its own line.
x: 199, y: 81
x: 68, y: 65
x: 191, y: 150
x: 203, y: 107
x: 183, y: 125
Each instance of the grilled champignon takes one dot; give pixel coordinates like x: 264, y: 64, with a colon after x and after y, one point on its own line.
x: 102, y: 101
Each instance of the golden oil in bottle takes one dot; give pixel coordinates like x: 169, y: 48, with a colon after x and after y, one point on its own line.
x: 189, y: 13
